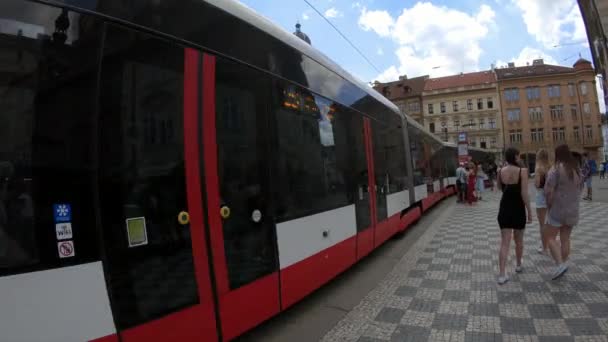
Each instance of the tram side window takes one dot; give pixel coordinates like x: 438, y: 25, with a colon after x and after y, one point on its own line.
x: 420, y: 155
x: 382, y: 154
x: 396, y: 167
x: 313, y: 153
x: 47, y: 96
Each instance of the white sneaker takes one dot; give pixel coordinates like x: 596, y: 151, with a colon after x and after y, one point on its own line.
x: 519, y: 269
x: 540, y: 250
x: 559, y: 271
x: 502, y: 280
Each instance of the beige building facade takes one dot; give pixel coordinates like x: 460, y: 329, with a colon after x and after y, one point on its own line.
x: 406, y: 93
x: 464, y: 103
x: 544, y: 106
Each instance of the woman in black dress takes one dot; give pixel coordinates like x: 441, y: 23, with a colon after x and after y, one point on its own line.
x: 513, y: 181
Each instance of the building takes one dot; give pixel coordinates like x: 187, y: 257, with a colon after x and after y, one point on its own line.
x: 595, y: 16
x: 548, y: 105
x: 405, y: 93
x: 464, y: 103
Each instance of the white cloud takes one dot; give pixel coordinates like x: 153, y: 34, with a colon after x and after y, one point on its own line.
x: 527, y: 55
x: 447, y: 44
x: 380, y: 51
x: 305, y: 16
x: 356, y: 5
x: 553, y: 22
x: 378, y: 21
x: 333, y: 13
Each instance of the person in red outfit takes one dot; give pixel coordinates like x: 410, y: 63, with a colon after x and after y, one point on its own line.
x: 471, y: 180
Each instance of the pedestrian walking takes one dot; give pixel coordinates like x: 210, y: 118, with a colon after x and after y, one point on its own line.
x: 562, y: 189
x: 603, y: 170
x: 471, y: 181
x: 481, y: 178
x: 461, y: 179
x: 514, y: 204
x: 587, y: 175
x: 540, y: 176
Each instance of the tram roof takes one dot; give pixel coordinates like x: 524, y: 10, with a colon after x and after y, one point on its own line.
x: 248, y: 15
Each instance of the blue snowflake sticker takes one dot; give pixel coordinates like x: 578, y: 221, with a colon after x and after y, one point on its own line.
x: 62, y: 212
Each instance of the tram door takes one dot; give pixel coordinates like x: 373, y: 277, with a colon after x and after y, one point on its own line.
x: 150, y: 193
x: 236, y: 146
x: 365, y: 193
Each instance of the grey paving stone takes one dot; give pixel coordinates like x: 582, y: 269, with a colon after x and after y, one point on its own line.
x: 433, y: 283
x: 482, y: 337
x: 522, y: 326
x: 598, y: 310
x: 424, y: 305
x: 484, y: 309
x: 370, y: 339
x: 583, y: 326
x: 509, y: 297
x: 406, y: 333
x: 450, y: 322
x: 456, y: 295
x: 390, y: 315
x: 556, y: 339
x: 566, y: 297
x: 544, y: 311
x: 406, y: 291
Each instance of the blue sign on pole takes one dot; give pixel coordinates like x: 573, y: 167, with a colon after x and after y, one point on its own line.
x: 62, y: 212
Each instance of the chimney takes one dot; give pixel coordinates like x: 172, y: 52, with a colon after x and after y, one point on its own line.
x: 538, y: 62
x: 402, y: 77
x: 511, y: 64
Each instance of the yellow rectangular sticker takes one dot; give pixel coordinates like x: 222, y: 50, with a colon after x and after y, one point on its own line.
x: 136, y: 231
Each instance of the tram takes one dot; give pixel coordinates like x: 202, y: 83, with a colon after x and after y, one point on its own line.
x: 185, y: 170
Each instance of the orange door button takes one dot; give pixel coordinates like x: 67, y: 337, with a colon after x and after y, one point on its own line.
x: 183, y: 218
x: 225, y: 212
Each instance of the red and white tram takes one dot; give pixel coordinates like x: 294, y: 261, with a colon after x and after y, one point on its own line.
x: 184, y: 170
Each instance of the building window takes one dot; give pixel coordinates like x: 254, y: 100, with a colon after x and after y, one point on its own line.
x: 537, y: 134
x: 576, y: 134
x: 559, y: 134
x: 513, y: 114
x: 584, y: 88
x: 469, y: 104
x: 512, y: 94
x: 481, y: 123
x: 490, y: 103
x: 482, y: 142
x: 479, y: 103
x: 589, y: 132
x: 535, y: 113
x: 574, y: 111
x: 430, y: 105
x: 553, y: 90
x: 432, y: 127
x: 493, y: 142
x: 492, y: 123
x: 586, y: 108
x: 456, y: 124
x: 533, y: 93
x: 515, y: 136
x: 472, y: 142
x: 455, y: 106
x: 414, y: 106
x: 442, y: 107
x: 571, y: 89
x: 557, y: 112
x: 471, y: 123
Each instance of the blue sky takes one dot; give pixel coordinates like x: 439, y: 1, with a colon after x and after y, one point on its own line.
x: 435, y: 37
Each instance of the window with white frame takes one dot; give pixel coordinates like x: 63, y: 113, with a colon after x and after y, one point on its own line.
x: 430, y: 108
x: 537, y: 134
x: 515, y: 136
x: 511, y: 94
x: 533, y: 93
x: 574, y: 111
x: 583, y: 88
x: 553, y: 90
x: 557, y: 112
x: 469, y: 104
x: 571, y: 89
x: 455, y: 106
x: 493, y: 141
x: 456, y: 124
x: 586, y: 108
x: 482, y: 142
x: 479, y: 103
x: 492, y: 123
x: 589, y: 131
x: 535, y: 113
x: 482, y: 123
x: 442, y: 107
x: 576, y: 134
x: 490, y: 103
x: 513, y: 114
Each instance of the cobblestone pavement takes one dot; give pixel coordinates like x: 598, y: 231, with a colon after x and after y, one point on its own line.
x: 445, y: 289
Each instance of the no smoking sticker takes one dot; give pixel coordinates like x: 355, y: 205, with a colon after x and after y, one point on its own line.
x: 66, y: 249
